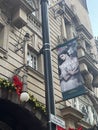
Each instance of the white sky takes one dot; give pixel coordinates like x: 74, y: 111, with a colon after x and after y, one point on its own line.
x: 93, y: 13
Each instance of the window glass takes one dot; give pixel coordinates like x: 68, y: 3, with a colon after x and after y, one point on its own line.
x: 32, y: 60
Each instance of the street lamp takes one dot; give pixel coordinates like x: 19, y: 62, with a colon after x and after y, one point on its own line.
x: 24, y: 97
x: 49, y: 93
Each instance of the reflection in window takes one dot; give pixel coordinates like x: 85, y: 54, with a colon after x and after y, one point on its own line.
x: 32, y: 60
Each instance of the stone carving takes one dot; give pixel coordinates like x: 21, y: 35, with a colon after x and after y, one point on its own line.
x: 88, y: 77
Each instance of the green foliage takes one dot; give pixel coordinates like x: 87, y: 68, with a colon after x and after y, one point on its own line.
x: 7, y: 84
x: 37, y: 104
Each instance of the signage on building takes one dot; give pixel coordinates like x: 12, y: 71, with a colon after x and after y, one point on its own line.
x: 56, y: 120
x: 71, y: 82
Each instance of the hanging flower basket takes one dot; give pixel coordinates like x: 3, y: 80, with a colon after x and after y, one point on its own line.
x: 11, y: 90
x: 37, y: 105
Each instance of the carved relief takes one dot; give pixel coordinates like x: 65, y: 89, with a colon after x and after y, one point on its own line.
x: 88, y: 77
x: 85, y: 106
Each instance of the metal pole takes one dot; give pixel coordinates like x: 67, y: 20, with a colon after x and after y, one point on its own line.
x: 49, y: 92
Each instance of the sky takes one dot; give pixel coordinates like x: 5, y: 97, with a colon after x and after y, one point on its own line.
x: 93, y: 14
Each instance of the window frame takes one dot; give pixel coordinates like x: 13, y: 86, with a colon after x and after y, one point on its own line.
x: 34, y: 55
x: 4, y: 38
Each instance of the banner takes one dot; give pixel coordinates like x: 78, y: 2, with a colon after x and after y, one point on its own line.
x: 69, y: 72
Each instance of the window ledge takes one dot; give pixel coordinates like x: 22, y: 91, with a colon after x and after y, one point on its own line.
x: 36, y: 74
x: 71, y: 113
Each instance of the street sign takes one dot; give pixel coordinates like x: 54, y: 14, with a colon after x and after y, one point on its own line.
x: 56, y: 120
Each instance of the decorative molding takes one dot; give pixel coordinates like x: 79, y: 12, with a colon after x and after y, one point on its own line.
x: 17, y: 3
x: 71, y: 113
x: 90, y: 62
x: 84, y: 124
x: 82, y: 28
x: 88, y: 78
x: 94, y: 99
x: 34, y: 25
x: 37, y: 74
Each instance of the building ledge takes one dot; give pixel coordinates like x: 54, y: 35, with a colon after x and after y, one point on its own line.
x: 90, y: 62
x: 71, y: 113
x: 12, y: 5
x: 84, y: 124
x: 81, y: 28
x: 35, y: 74
x: 94, y: 99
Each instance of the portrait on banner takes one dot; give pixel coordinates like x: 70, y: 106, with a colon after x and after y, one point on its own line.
x: 68, y: 66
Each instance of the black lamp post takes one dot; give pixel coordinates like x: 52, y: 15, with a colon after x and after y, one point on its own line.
x: 49, y: 93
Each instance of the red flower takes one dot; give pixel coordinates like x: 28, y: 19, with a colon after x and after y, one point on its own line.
x: 71, y: 129
x: 60, y: 128
x: 18, y: 84
x: 80, y: 128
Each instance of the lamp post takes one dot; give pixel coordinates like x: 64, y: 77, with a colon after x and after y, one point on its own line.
x: 49, y: 93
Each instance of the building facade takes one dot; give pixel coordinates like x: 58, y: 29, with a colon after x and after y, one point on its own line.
x: 21, y: 55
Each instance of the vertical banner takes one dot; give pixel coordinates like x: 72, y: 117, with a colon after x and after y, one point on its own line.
x: 69, y: 72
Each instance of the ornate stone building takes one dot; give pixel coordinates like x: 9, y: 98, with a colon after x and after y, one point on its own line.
x: 20, y: 55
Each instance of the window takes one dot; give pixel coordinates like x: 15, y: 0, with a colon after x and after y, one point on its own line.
x: 35, y: 61
x: 4, y: 30
x: 4, y: 39
x: 32, y: 60
x: 1, y: 34
x: 63, y: 29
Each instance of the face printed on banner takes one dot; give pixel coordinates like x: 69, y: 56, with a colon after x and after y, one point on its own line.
x: 69, y: 72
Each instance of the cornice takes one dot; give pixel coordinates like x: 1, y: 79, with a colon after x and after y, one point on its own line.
x: 82, y: 28
x: 71, y: 113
